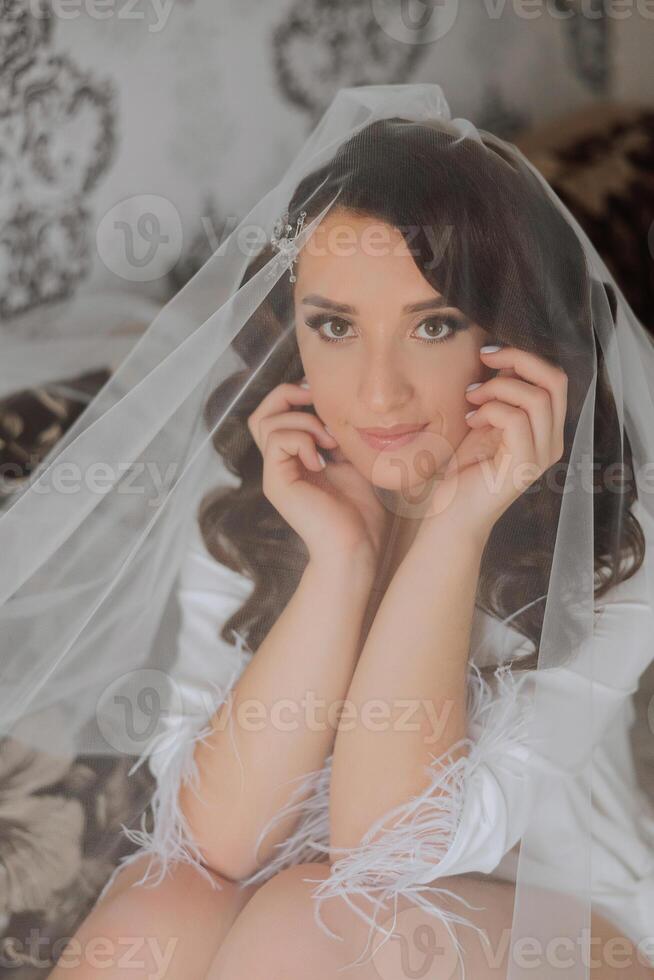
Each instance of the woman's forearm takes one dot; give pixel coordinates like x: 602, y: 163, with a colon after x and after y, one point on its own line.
x: 279, y: 718
x: 414, y: 665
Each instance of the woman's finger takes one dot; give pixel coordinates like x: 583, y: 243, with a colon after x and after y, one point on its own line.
x: 535, y: 401
x: 281, y: 398
x: 296, y: 420
x: 515, y: 426
x: 534, y: 368
x: 288, y: 445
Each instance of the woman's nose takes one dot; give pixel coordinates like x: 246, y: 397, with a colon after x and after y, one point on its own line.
x: 383, y: 385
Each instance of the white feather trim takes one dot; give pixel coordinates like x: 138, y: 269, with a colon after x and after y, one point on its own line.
x: 173, y: 749
x: 402, y: 859
x: 309, y: 842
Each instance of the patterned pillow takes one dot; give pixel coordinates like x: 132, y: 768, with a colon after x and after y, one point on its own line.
x: 600, y: 161
x: 33, y: 420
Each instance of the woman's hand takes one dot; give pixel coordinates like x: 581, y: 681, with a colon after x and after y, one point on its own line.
x: 333, y: 508
x: 516, y: 434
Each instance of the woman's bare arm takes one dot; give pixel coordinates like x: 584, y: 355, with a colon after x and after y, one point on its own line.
x: 413, y: 665
x: 311, y: 650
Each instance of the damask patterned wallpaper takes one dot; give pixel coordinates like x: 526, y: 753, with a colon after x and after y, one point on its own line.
x: 135, y: 133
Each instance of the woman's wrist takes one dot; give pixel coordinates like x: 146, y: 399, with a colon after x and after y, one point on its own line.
x: 356, y: 567
x: 442, y: 531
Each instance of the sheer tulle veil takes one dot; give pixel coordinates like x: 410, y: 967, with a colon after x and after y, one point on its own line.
x: 92, y: 544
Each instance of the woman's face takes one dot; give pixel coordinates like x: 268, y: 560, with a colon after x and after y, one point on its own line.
x: 405, y: 356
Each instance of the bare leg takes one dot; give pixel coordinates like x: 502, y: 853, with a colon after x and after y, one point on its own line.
x: 171, y: 930
x: 276, y: 937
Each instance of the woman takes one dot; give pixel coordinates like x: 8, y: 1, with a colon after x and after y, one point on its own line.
x: 440, y: 290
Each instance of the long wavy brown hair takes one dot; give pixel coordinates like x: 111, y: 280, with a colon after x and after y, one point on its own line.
x: 507, y: 258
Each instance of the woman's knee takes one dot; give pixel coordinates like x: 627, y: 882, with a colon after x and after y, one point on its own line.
x: 181, y: 918
x: 283, y: 901
x: 275, y: 930
x: 278, y: 928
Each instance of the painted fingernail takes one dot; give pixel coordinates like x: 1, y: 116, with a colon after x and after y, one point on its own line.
x: 321, y: 459
x: 489, y: 349
x: 477, y: 384
x: 474, y: 412
x: 304, y: 384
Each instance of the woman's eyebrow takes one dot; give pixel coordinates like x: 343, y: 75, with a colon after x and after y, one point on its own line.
x: 313, y: 299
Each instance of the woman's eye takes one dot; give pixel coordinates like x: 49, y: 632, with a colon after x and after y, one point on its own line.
x: 318, y: 324
x: 437, y: 327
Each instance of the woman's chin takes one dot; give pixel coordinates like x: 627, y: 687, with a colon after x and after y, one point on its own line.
x: 402, y: 479
x: 411, y: 493
x: 397, y: 476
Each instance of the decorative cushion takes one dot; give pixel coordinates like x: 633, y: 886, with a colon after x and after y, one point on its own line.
x: 600, y: 161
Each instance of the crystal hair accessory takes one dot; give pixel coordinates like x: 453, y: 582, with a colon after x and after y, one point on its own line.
x: 285, y: 244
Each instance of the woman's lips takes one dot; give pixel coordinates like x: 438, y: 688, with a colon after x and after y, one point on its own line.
x: 390, y: 442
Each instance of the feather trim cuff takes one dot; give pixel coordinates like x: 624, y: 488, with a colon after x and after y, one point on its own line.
x: 404, y: 859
